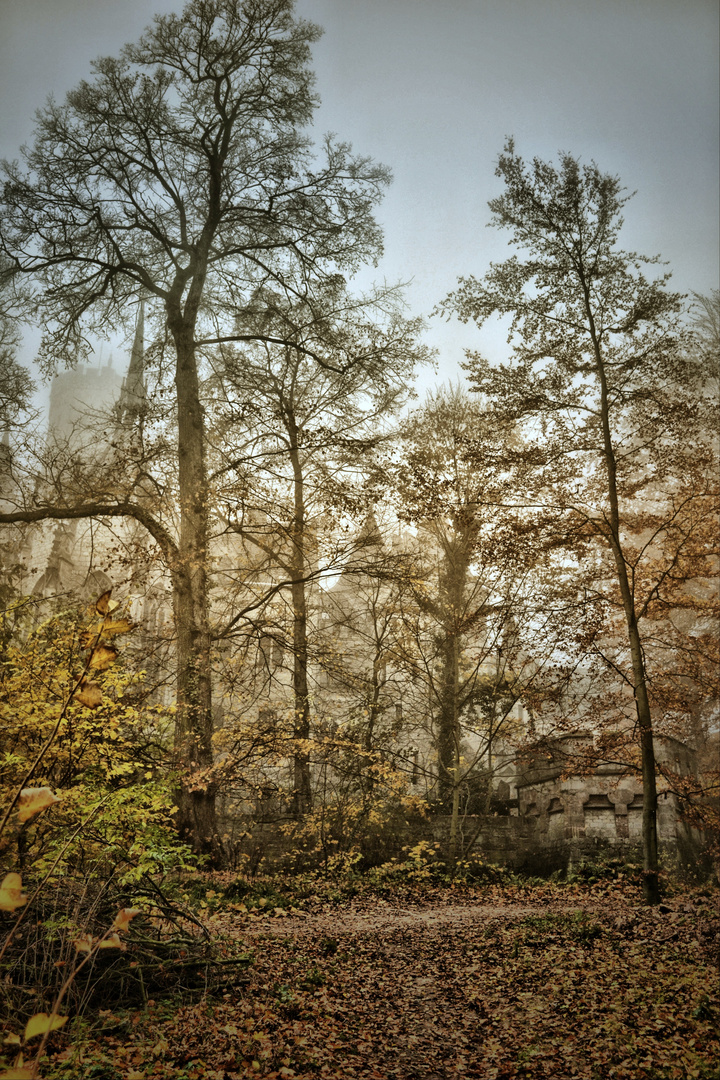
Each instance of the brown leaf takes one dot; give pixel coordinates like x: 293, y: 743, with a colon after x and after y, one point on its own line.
x: 89, y: 694
x: 116, y: 626
x: 103, y: 656
x: 123, y: 917
x: 101, y: 631
x: 112, y: 941
x: 102, y: 604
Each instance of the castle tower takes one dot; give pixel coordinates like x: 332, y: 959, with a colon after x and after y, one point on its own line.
x: 78, y: 397
x: 80, y: 401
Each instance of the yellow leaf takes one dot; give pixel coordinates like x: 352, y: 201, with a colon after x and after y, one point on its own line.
x: 100, y: 631
x: 42, y: 1022
x: 33, y: 800
x: 116, y: 626
x: 89, y: 694
x: 11, y: 894
x: 102, y: 604
x: 84, y: 943
x: 112, y: 941
x: 17, y: 1073
x: 12, y: 1039
x: 103, y: 656
x: 123, y: 917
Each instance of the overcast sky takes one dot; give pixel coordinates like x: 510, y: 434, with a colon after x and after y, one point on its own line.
x: 432, y: 88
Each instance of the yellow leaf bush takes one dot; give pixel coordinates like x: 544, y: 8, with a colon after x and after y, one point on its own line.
x: 85, y: 802
x: 109, y: 740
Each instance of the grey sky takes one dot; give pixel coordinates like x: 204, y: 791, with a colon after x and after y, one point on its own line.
x: 432, y: 87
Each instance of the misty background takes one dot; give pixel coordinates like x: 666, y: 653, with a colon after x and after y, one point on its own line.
x: 432, y: 88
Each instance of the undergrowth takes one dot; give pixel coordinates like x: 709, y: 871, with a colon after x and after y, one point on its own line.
x: 421, y: 871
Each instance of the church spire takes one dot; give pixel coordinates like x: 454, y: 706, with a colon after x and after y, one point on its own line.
x: 6, y: 455
x: 131, y: 406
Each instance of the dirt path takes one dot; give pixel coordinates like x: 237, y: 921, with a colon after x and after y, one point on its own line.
x: 442, y: 990
x: 383, y: 918
x: 398, y: 1012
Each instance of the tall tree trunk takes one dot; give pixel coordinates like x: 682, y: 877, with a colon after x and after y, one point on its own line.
x: 448, y: 719
x: 455, y: 814
x: 651, y: 888
x: 453, y: 579
x: 302, y: 788
x: 373, y: 701
x: 193, y: 737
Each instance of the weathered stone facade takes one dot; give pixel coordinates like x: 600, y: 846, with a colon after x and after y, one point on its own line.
x: 573, y: 814
x: 558, y: 819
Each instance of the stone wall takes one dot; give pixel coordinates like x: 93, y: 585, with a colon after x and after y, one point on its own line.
x: 509, y: 841
x: 577, y: 815
x: 557, y: 820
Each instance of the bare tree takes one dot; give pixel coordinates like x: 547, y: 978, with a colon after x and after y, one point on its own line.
x: 614, y: 403
x: 468, y: 582
x: 303, y: 431
x: 181, y: 172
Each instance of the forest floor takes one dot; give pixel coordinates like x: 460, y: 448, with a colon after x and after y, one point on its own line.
x: 424, y: 983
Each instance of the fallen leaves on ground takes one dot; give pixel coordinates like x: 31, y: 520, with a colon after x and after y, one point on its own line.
x: 477, y: 984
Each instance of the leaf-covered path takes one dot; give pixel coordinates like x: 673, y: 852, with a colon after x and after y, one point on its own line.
x: 482, y: 985
x: 404, y: 1012
x: 472, y: 988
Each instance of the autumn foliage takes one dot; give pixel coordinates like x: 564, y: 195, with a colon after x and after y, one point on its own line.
x: 84, y: 812
x: 552, y: 569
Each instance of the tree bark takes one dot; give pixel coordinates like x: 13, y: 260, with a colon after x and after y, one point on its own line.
x: 651, y: 888
x: 374, y: 709
x: 455, y: 815
x: 453, y: 579
x: 196, y: 820
x: 302, y: 787
x: 446, y: 737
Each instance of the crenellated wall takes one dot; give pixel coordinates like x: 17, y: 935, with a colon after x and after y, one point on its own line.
x: 604, y: 807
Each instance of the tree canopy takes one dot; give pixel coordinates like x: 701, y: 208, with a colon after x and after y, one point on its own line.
x: 616, y: 402
x: 182, y: 173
